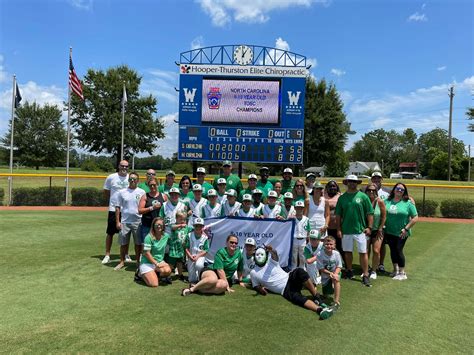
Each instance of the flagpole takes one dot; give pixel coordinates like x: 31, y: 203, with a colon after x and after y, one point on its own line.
x: 123, y: 120
x: 68, y: 128
x: 10, y: 180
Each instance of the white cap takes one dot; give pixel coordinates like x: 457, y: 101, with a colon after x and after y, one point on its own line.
x: 201, y: 170
x: 351, y: 178
x: 247, y: 197
x: 288, y: 195
x: 197, y: 187
x: 170, y: 172
x: 198, y: 221
x: 299, y: 204
x: 252, y: 176
x: 272, y: 194
x: 257, y: 191
x: 250, y: 241
x: 376, y: 173
x: 221, y: 181
x: 211, y: 192
x: 314, y: 234
x: 288, y: 170
x: 174, y: 190
x: 231, y: 192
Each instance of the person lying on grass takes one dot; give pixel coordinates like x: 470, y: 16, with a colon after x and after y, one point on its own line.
x: 269, y: 276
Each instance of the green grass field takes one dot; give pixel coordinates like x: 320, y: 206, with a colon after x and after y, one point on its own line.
x: 57, y: 297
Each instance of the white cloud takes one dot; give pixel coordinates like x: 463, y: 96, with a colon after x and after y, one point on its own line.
x: 442, y: 68
x: 312, y: 61
x: 280, y: 43
x: 82, y: 4
x: 417, y: 17
x: 381, y: 122
x: 197, y: 42
x: 161, y: 83
x: 31, y: 92
x: 169, y: 144
x: 3, y: 74
x: 423, y: 6
x: 337, y: 72
x: 249, y: 11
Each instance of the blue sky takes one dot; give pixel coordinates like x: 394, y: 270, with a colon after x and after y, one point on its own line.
x: 392, y: 60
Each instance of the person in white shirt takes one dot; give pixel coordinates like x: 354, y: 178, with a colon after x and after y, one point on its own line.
x: 114, y: 182
x: 271, y: 209
x: 311, y: 251
x: 299, y: 238
x: 128, y: 218
x: 212, y: 208
x: 197, y: 203
x: 329, y: 264
x: 246, y: 209
x: 268, y: 275
x: 249, y: 260
x: 230, y: 207
x: 287, y: 209
x: 221, y: 189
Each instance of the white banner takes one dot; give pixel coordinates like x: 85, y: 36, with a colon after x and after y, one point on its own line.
x: 241, y: 70
x: 265, y: 231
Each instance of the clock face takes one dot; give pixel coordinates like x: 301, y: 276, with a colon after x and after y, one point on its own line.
x: 243, y: 55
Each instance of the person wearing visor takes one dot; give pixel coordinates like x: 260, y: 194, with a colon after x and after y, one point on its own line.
x: 169, y: 183
x: 318, y: 210
x: 212, y: 208
x: 309, y: 182
x: 268, y: 276
x: 200, y: 179
x: 196, y: 247
x: 355, y: 217
x: 232, y: 180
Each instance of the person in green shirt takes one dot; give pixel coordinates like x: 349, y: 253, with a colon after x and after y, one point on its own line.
x: 401, y: 216
x: 176, y: 243
x: 217, y: 278
x: 287, y: 183
x: 232, y: 180
x: 185, y: 188
x: 252, y: 181
x: 169, y: 183
x: 264, y: 184
x: 152, y: 264
x: 201, y: 175
x: 354, y: 219
x: 150, y: 175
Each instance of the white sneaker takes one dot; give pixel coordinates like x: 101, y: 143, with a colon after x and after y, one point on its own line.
x: 402, y: 276
x: 106, y: 259
x: 396, y: 277
x: 128, y: 259
x: 373, y: 275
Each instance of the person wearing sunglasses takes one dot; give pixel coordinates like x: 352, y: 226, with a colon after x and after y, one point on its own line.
x: 300, y: 194
x: 128, y: 218
x: 113, y: 184
x: 263, y: 184
x: 152, y: 265
x: 376, y: 238
x: 150, y: 174
x: 217, y: 277
x: 401, y: 217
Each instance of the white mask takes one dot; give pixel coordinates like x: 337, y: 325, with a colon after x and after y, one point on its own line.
x: 260, y: 256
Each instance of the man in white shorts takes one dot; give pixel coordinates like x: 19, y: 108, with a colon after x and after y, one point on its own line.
x: 354, y: 219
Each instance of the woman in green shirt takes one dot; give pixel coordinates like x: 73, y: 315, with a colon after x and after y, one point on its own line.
x: 217, y: 278
x: 401, y: 216
x: 376, y: 236
x: 152, y: 264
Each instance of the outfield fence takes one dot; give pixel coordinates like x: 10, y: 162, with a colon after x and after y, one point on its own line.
x: 425, y: 195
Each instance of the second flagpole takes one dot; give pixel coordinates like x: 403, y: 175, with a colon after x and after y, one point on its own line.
x: 68, y: 129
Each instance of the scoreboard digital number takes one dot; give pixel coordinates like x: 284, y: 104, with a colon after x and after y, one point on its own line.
x: 233, y: 115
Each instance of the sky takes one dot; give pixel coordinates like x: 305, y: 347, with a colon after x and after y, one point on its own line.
x: 392, y: 61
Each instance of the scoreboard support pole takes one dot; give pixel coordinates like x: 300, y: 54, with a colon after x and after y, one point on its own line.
x: 195, y: 165
x: 240, y: 170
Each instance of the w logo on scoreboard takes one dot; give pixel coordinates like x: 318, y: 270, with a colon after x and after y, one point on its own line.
x: 294, y: 98
x: 189, y: 94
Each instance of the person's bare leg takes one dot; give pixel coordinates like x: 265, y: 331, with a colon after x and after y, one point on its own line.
x: 121, y: 264
x: 138, y: 253
x: 337, y: 291
x: 151, y: 279
x: 208, y: 281
x: 108, y: 243
x: 383, y: 250
x: 220, y: 288
x: 376, y: 254
x: 364, y: 263
x: 310, y: 287
x: 311, y: 306
x: 348, y: 255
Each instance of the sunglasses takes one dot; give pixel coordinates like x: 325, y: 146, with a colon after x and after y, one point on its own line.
x: 152, y: 185
x: 124, y: 166
x: 132, y: 179
x: 151, y: 174
x: 158, y: 226
x: 233, y: 243
x: 299, y: 186
x: 401, y: 189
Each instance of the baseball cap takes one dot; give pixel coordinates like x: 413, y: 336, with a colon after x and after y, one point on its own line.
x: 308, y: 175
x: 288, y: 170
x: 247, y: 197
x: 288, y: 195
x: 174, y: 190
x: 376, y: 173
x: 250, y: 241
x: 221, y: 181
x: 264, y: 168
x: 197, y: 187
x: 351, y: 178
x: 272, y: 194
x: 318, y: 185
x: 170, y: 172
x: 226, y: 163
x: 201, y: 170
x: 198, y: 221
x: 299, y: 204
x: 211, y: 192
x: 314, y: 234
x: 257, y: 191
x: 252, y: 176
x: 231, y: 192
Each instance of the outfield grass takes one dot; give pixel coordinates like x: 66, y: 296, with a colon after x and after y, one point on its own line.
x: 57, y: 297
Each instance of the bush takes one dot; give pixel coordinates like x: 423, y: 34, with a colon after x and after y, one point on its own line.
x: 430, y: 208
x: 89, y: 165
x: 182, y: 167
x: 88, y: 196
x: 2, y: 195
x: 39, y: 196
x: 457, y: 208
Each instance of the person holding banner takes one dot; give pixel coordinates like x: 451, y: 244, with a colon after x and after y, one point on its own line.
x: 271, y: 209
x: 287, y: 209
x: 230, y: 207
x: 197, y: 246
x: 269, y: 276
x: 246, y: 210
x: 217, y: 278
x: 212, y: 208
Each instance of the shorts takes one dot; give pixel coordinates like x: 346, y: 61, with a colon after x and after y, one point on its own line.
x: 292, y: 291
x: 146, y: 268
x: 348, y: 242
x: 143, y: 232
x: 111, y: 224
x: 129, y: 229
x: 328, y: 287
x: 373, y: 235
x: 173, y: 261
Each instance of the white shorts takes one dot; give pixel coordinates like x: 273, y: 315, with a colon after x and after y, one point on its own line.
x: 146, y: 268
x: 360, y: 239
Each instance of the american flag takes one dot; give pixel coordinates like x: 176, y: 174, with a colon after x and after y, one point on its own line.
x: 74, y: 81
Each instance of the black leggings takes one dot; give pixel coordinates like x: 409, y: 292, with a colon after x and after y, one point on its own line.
x: 396, y: 245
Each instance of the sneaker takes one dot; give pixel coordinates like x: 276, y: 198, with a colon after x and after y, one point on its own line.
x: 335, y: 307
x: 119, y: 266
x: 318, y: 299
x: 393, y: 274
x: 106, y: 259
x: 128, y: 259
x: 349, y: 275
x: 402, y: 276
x: 137, y: 277
x: 325, y: 313
x: 381, y: 268
x: 373, y: 275
x: 366, y: 281
x: 182, y: 278
x: 185, y: 292
x: 168, y: 280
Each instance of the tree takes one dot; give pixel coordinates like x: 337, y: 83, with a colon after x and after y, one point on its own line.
x: 326, y: 127
x: 39, y: 138
x: 339, y: 165
x: 98, y: 119
x: 470, y: 116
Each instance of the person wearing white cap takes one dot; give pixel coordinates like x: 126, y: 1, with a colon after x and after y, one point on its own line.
x: 246, y: 209
x: 287, y: 208
x: 201, y: 175
x: 271, y: 209
x: 318, y: 211
x: 249, y: 261
x: 221, y: 189
x: 309, y: 182
x: 169, y: 183
x: 287, y: 182
x: 377, y: 179
x: 232, y: 180
x: 171, y: 207
x: 196, y: 245
x: 212, y: 208
x: 311, y: 251
x: 257, y: 196
x: 197, y: 203
x: 263, y: 183
x: 252, y: 185
x: 231, y: 206
x: 299, y: 237
x: 355, y: 217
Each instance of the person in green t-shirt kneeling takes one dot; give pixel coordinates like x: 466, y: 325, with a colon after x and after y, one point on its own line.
x: 217, y: 278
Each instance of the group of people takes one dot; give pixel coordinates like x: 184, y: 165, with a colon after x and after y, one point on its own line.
x: 167, y: 223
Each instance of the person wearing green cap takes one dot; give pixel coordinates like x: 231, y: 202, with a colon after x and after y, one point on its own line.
x: 232, y: 180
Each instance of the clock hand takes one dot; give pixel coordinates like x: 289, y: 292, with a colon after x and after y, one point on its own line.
x: 243, y: 53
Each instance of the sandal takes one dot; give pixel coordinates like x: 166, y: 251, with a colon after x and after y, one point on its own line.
x: 186, y: 292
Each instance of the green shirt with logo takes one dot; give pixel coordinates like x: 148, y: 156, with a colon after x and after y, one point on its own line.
x: 353, y: 209
x: 233, y: 182
x: 287, y: 186
x: 265, y: 187
x: 165, y: 189
x: 398, y: 216
x: 230, y: 264
x: 155, y: 247
x: 177, y: 240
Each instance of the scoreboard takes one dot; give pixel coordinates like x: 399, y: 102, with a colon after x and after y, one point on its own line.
x: 241, y: 113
